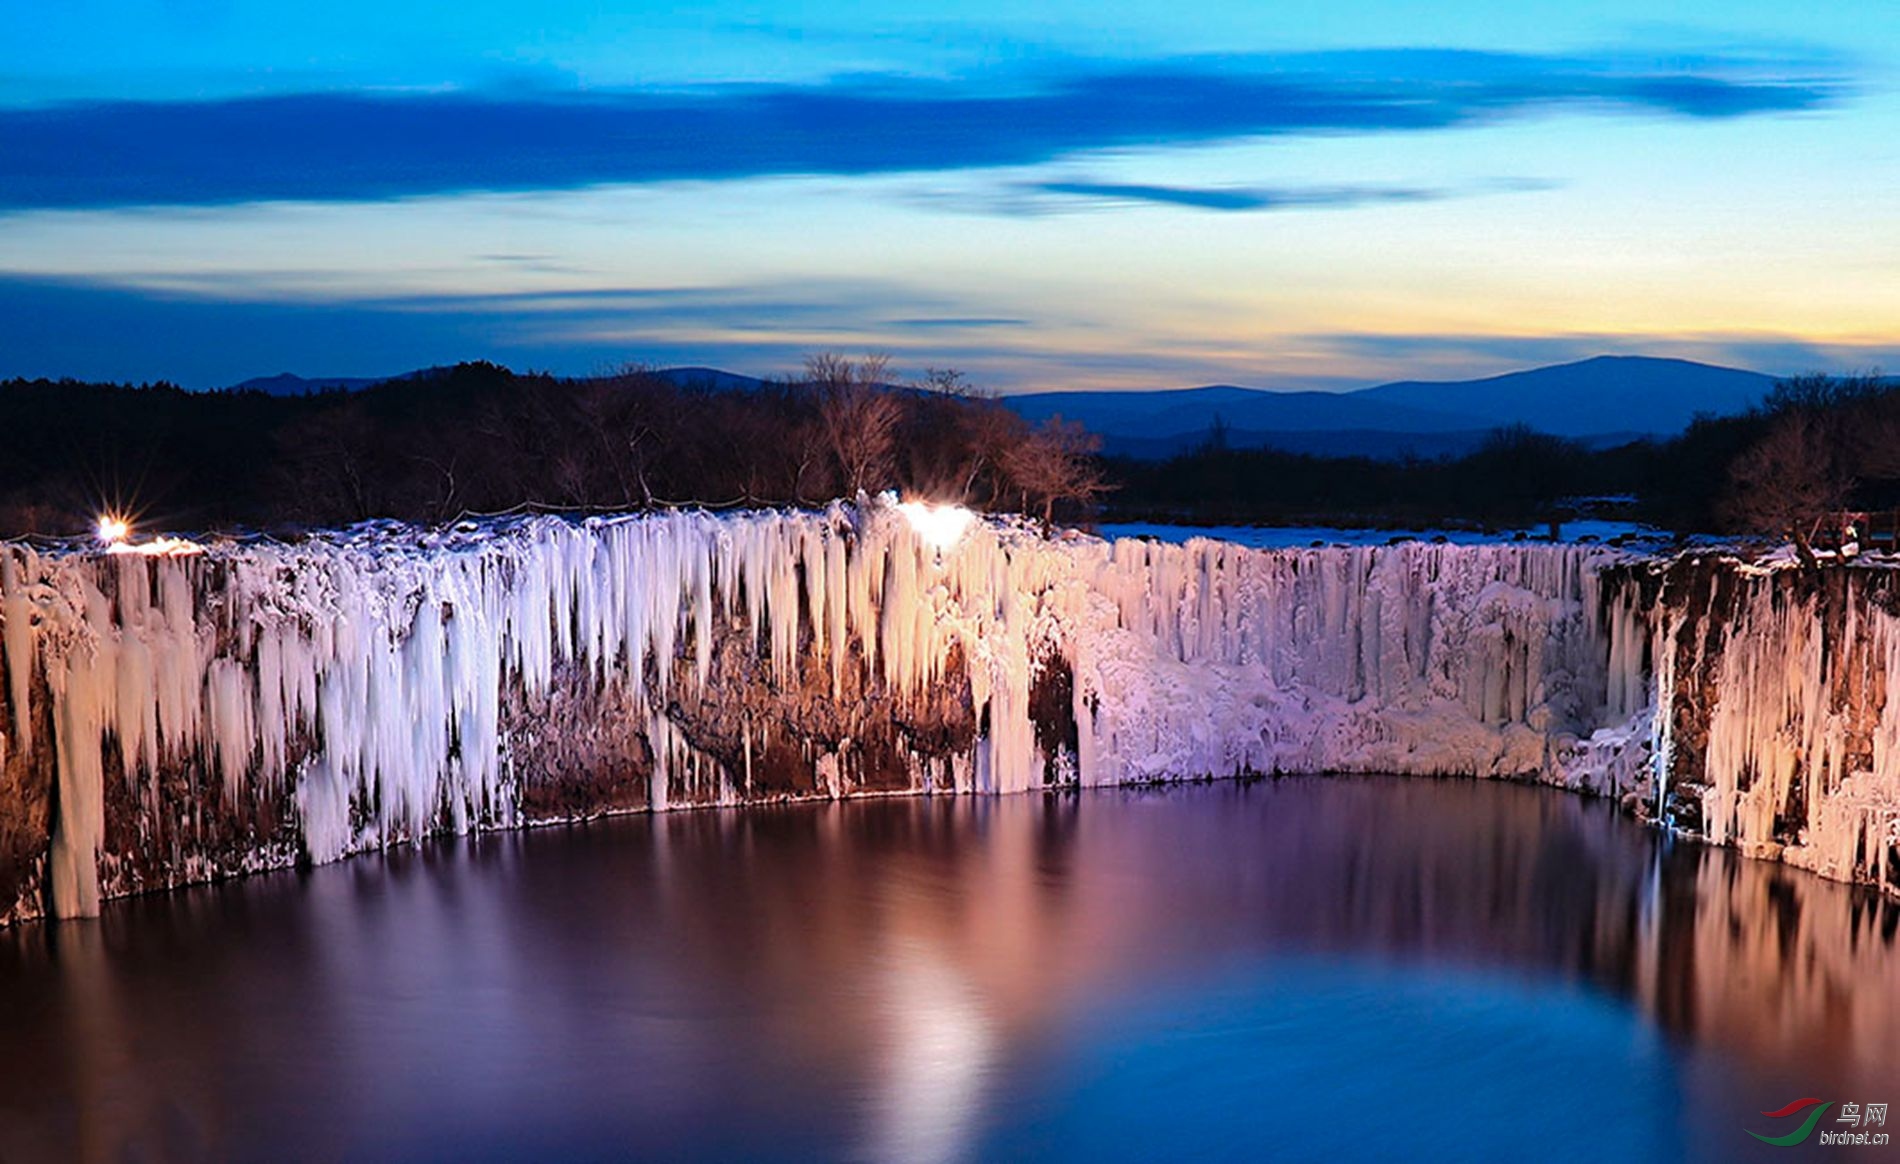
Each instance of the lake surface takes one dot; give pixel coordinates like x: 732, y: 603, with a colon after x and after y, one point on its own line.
x: 1303, y: 969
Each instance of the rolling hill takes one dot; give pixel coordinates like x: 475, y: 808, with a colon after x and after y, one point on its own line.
x: 1603, y: 400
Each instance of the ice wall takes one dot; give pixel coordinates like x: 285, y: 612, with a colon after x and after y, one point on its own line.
x: 1780, y: 731
x: 265, y: 703
x: 1415, y: 658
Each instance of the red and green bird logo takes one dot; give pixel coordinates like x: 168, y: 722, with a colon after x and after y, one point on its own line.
x: 1807, y: 1125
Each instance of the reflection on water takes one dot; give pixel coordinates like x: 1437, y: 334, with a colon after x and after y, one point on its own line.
x: 1227, y: 969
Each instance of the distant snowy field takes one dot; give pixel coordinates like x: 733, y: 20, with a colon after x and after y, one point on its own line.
x: 1296, y: 536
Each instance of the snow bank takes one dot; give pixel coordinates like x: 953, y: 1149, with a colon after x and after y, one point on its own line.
x: 1287, y: 537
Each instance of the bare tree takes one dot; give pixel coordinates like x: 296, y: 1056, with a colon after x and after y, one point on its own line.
x: 1867, y: 425
x: 953, y: 439
x: 1054, y: 464
x: 1821, y: 392
x: 947, y: 382
x: 859, y: 418
x: 990, y: 432
x: 328, y: 465
x: 1788, y: 481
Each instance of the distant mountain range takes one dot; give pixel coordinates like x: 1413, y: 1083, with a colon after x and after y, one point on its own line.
x: 288, y: 384
x: 291, y: 384
x: 1600, y: 401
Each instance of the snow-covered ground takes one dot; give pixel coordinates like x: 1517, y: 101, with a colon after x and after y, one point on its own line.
x: 1272, y: 537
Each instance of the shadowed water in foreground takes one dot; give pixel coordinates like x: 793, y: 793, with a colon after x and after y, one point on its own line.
x: 1311, y: 968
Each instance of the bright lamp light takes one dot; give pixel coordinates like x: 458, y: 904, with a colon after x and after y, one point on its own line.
x: 940, y: 526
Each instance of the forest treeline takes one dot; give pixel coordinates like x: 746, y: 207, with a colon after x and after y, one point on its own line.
x: 478, y: 438
x: 1817, y: 445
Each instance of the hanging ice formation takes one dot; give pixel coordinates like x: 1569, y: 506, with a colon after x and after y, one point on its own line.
x: 345, y: 692
x: 1779, y: 728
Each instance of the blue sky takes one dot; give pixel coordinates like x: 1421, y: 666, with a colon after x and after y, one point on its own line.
x: 1053, y: 196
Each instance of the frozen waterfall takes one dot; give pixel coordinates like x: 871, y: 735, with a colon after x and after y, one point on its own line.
x: 264, y: 702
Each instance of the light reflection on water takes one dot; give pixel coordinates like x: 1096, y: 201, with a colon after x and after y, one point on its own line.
x: 1326, y: 968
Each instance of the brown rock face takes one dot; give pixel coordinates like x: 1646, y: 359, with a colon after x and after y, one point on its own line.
x: 1704, y: 589
x: 178, y: 826
x: 26, y: 805
x: 576, y: 746
x: 1052, y: 707
x: 579, y: 749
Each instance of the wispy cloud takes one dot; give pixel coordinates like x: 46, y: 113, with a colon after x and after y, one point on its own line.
x: 1068, y: 194
x: 52, y: 327
x: 213, y: 334
x: 1396, y: 355
x: 955, y: 323
x: 374, y: 145
x: 1236, y: 198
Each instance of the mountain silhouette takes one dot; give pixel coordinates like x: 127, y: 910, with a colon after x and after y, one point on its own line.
x: 1600, y: 401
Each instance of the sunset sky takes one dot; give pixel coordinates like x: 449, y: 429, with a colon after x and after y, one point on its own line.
x: 1057, y: 195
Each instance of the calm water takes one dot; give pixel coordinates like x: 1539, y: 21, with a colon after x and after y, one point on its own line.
x: 1314, y: 969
